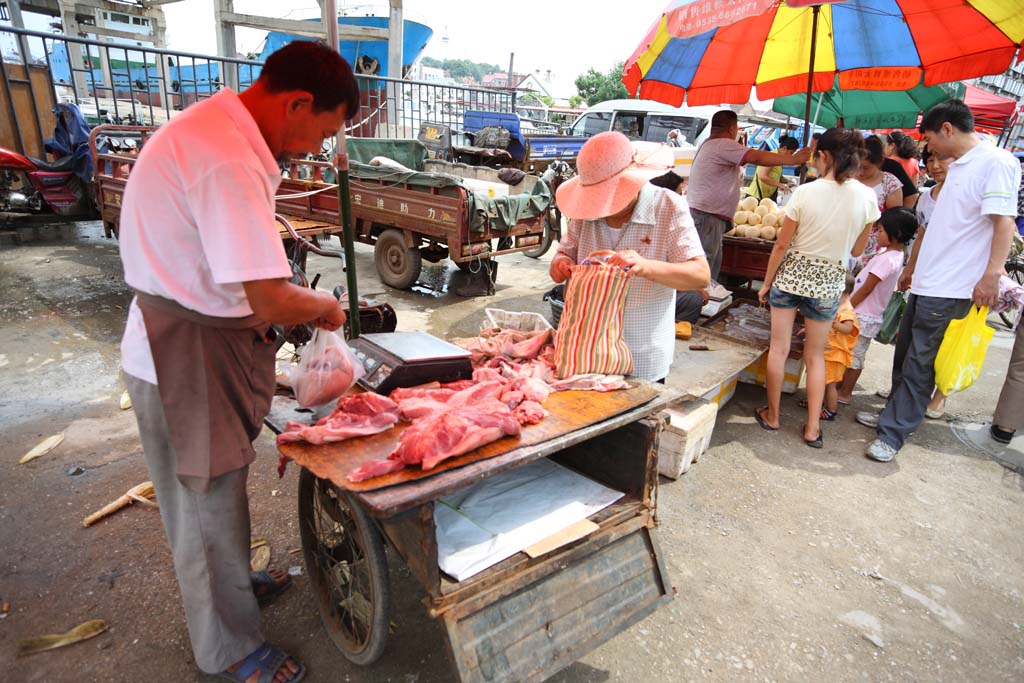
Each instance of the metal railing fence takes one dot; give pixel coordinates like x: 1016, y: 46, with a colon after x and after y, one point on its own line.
x: 140, y: 85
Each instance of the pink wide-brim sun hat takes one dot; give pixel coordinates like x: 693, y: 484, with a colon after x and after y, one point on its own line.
x: 610, y: 172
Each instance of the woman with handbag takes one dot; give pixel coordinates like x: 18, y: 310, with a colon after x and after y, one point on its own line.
x: 826, y: 222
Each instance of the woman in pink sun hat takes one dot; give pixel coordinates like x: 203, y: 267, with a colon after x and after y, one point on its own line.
x: 612, y: 207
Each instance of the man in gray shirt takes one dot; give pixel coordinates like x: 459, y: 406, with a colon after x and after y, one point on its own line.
x: 714, y: 189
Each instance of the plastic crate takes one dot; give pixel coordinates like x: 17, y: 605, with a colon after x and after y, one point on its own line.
x: 522, y: 321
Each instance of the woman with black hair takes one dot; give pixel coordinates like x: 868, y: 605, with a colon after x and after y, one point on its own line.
x: 826, y: 222
x: 902, y: 149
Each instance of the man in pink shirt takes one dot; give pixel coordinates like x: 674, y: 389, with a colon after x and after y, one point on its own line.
x: 202, y: 252
x: 714, y: 189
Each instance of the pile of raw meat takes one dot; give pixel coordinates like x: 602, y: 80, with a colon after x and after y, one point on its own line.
x: 513, y: 375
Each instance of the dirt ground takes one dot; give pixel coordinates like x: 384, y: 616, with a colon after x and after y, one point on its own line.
x: 790, y: 564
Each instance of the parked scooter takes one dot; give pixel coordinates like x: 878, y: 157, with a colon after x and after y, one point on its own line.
x: 64, y: 186
x: 555, y: 174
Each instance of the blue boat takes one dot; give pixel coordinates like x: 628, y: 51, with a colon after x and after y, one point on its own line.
x: 202, y: 77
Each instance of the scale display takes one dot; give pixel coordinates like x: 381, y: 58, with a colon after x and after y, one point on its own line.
x: 408, y: 359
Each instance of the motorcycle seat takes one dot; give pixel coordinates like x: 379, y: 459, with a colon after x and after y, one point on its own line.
x: 62, y: 164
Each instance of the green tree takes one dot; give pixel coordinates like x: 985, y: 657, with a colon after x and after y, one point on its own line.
x: 575, y: 101
x: 462, y: 68
x: 595, y: 86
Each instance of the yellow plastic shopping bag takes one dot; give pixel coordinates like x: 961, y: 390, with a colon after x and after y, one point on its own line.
x: 963, y: 351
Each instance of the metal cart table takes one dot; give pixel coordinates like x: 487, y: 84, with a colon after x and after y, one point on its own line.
x: 525, y: 618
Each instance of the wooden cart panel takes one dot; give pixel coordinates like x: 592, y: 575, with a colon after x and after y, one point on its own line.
x: 532, y: 634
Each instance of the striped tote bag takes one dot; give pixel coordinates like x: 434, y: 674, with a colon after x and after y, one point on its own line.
x: 589, y: 336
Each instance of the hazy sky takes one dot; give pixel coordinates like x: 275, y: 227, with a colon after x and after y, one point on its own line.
x: 565, y: 36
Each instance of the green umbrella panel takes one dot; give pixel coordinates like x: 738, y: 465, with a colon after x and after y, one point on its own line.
x: 869, y: 108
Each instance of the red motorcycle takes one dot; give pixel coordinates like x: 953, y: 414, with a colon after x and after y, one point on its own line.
x: 62, y: 186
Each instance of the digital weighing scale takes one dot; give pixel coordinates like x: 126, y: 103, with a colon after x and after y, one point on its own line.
x: 408, y: 359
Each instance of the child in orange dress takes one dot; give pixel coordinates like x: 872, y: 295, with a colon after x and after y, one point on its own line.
x: 839, y: 350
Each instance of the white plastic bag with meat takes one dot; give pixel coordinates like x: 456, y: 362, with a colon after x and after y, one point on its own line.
x: 327, y: 370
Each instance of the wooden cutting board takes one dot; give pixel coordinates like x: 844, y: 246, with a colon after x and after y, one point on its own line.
x: 569, y: 411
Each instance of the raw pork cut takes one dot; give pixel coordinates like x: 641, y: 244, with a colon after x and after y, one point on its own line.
x: 433, y: 401
x: 358, y: 415
x: 431, y: 440
x: 529, y: 413
x: 591, y: 382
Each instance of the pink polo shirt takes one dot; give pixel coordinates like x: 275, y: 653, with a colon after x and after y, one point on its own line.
x: 198, y: 218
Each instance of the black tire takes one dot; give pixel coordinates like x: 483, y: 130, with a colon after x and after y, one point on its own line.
x: 397, y: 265
x: 347, y: 567
x: 554, y: 216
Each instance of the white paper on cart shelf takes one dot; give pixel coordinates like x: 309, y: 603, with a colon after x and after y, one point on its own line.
x: 493, y: 520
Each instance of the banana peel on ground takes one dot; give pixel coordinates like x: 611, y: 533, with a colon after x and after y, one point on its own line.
x: 84, y: 631
x: 260, y: 559
x: 42, y: 448
x: 143, y: 493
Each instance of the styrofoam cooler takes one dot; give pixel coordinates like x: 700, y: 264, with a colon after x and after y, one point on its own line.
x: 757, y: 373
x: 686, y: 437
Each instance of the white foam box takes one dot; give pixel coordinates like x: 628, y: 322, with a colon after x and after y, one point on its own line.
x: 722, y: 392
x: 485, y: 187
x: 792, y: 375
x: 686, y: 436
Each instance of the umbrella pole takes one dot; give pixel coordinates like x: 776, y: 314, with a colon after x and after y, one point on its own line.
x: 810, y: 73
x: 344, y: 197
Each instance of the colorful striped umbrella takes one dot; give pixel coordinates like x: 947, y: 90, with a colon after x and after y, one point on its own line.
x: 711, y: 51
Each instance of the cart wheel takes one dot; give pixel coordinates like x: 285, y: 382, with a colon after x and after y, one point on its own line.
x: 345, y: 559
x: 553, y: 219
x: 397, y: 265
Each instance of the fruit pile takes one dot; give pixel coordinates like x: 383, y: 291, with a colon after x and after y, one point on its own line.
x: 760, y: 220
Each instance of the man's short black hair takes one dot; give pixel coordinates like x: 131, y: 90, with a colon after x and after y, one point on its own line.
x: 723, y: 119
x: 314, y: 68
x: 953, y: 112
x: 789, y: 142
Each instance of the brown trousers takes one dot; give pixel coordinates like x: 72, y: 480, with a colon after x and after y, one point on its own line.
x: 1010, y: 409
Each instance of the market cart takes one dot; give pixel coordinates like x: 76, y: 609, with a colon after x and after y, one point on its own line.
x: 528, y: 616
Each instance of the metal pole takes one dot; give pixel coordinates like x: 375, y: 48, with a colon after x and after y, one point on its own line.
x: 344, y: 198
x: 810, y: 73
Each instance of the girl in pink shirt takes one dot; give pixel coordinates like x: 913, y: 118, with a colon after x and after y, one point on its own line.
x: 875, y: 285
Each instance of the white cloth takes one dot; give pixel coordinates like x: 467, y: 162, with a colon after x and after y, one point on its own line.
x: 198, y: 218
x: 830, y: 217
x: 492, y: 520
x: 660, y: 229
x: 715, y: 177
x: 958, y: 243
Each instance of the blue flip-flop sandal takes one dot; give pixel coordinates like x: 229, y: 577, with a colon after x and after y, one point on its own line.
x: 266, y: 588
x: 266, y: 659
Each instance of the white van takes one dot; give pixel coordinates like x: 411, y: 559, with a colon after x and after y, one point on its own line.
x: 645, y: 120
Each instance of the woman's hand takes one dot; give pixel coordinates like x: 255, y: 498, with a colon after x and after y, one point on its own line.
x: 762, y: 294
x: 631, y: 260
x: 561, y: 268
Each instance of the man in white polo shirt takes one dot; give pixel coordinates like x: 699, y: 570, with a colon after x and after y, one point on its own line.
x: 202, y: 251
x: 961, y: 257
